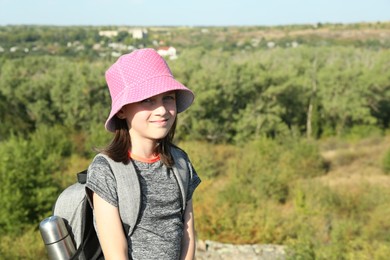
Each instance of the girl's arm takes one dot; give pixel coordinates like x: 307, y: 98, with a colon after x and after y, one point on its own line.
x: 188, y: 241
x: 110, y: 231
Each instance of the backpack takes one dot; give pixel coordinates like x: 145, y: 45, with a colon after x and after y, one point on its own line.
x: 73, y: 204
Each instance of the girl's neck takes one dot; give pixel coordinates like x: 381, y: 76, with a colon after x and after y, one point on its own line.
x: 142, y: 153
x: 144, y: 149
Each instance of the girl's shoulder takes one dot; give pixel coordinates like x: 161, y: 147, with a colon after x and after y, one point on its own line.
x: 100, y: 165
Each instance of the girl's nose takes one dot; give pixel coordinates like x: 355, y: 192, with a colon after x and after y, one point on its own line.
x: 161, y: 109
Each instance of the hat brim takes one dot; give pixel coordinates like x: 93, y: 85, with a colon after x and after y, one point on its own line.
x: 150, y: 88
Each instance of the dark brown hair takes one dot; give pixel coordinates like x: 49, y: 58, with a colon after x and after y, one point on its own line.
x: 120, y: 145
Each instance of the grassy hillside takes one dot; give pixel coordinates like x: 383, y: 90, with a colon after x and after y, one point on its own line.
x: 337, y: 213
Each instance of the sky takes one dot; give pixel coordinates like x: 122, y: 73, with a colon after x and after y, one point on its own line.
x: 191, y: 12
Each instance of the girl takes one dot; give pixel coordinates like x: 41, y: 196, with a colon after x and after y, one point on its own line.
x: 145, y: 101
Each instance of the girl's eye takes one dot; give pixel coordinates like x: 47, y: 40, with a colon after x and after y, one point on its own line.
x: 148, y: 100
x: 170, y: 97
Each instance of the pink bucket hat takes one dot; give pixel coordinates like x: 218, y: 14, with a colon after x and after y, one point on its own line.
x: 140, y: 75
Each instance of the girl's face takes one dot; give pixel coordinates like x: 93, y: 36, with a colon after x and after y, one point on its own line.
x: 151, y: 118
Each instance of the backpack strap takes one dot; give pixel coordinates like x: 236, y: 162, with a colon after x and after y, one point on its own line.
x: 182, y: 172
x: 129, y: 192
x: 82, y: 177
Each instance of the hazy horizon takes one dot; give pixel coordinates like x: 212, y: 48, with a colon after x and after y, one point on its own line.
x: 190, y: 13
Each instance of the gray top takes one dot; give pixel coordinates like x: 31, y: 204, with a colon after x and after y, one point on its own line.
x: 159, y: 229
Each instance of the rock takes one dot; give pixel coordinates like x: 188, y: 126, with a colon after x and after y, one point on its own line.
x: 212, y: 250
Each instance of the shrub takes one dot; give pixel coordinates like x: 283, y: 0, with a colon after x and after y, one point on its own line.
x: 209, y: 160
x: 386, y: 162
x: 96, y: 137
x: 26, y: 174
x: 246, y: 197
x: 359, y: 132
x: 268, y: 168
x: 28, y: 245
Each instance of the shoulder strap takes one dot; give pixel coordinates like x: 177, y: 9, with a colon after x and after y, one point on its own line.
x: 182, y: 171
x: 129, y: 192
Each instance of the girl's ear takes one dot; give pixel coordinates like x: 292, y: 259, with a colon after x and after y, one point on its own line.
x: 121, y: 114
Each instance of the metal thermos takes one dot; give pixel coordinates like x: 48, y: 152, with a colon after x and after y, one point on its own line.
x: 55, y: 235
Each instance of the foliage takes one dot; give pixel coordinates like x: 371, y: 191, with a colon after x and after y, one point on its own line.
x: 26, y: 172
x: 244, y: 96
x: 386, y: 162
x: 27, y: 245
x: 256, y: 180
x: 50, y: 91
x: 305, y: 91
x: 251, y: 202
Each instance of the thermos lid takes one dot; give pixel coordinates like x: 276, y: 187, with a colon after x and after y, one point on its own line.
x: 53, y: 229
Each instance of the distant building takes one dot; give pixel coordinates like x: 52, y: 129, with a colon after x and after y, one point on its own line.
x: 139, y: 33
x: 96, y: 46
x: 108, y: 34
x: 271, y: 45
x: 118, y: 46
x: 167, y: 52
x: 294, y: 44
x: 116, y: 54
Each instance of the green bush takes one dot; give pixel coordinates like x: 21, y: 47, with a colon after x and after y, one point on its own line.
x: 268, y: 168
x: 244, y: 201
x: 96, y: 137
x: 26, y: 174
x: 363, y: 131
x: 386, y: 162
x: 28, y: 245
x: 208, y: 159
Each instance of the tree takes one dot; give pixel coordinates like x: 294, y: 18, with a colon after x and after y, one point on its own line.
x: 27, y: 171
x: 342, y: 91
